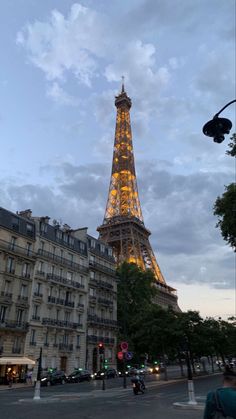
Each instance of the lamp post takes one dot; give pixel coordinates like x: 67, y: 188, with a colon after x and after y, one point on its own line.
x: 191, y: 393
x: 38, y: 382
x: 218, y: 127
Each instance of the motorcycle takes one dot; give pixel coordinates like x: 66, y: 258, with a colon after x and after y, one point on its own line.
x: 138, y: 386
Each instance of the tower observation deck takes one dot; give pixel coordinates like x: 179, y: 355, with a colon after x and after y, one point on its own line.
x: 123, y: 226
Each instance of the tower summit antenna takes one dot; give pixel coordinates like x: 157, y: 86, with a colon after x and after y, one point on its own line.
x: 123, y: 84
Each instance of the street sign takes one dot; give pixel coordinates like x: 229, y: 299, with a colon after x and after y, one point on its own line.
x: 124, y: 346
x: 129, y: 355
x: 120, y: 355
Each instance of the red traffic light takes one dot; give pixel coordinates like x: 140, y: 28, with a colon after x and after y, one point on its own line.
x: 101, y: 348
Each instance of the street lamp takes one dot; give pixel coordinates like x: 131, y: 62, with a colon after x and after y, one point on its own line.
x: 218, y: 127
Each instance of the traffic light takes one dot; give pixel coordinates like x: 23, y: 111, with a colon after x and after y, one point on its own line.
x: 105, y: 364
x: 101, y: 348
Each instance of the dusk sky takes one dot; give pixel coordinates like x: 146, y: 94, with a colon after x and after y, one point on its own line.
x: 61, y: 68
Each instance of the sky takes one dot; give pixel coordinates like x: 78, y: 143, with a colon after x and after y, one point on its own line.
x: 61, y: 67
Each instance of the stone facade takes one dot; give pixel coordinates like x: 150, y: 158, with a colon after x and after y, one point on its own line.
x: 57, y: 292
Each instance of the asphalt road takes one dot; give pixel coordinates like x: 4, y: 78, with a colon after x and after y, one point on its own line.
x: 89, y: 401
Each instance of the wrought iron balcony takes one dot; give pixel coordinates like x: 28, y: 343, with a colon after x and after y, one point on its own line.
x: 36, y: 318
x: 22, y: 299
x: 64, y: 281
x: 8, y: 246
x: 63, y: 261
x: 16, y: 350
x: 103, y: 268
x: 38, y: 294
x: 60, y: 301
x: 14, y: 325
x: 93, y: 319
x: 6, y: 296
x: 105, y: 301
x: 61, y: 323
x: 65, y: 347
x: 105, y: 285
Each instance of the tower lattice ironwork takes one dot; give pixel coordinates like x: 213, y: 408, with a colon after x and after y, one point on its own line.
x: 123, y: 226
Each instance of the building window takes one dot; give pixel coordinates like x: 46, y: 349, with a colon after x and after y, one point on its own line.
x: 13, y: 243
x: 20, y: 316
x: 41, y: 266
x: 33, y: 337
x: 102, y: 247
x: 7, y: 287
x: 78, y: 341
x: 69, y: 276
x: 43, y: 228
x: 110, y: 251
x: 80, y: 318
x: 92, y: 274
x: 93, y: 244
x: 10, y: 265
x: 29, y: 248
x: 82, y: 246
x: 24, y: 290
x: 71, y: 241
x: 29, y: 229
x: 42, y: 244
x: 92, y: 292
x: 3, y: 311
x: 26, y: 270
x: 15, y: 223
x: 35, y: 312
x: 61, y: 273
x: 38, y: 286
x: 67, y: 316
x: 92, y: 259
x: 46, y: 339
x: 65, y: 238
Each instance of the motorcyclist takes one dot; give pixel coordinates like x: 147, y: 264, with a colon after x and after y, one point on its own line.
x: 136, y: 378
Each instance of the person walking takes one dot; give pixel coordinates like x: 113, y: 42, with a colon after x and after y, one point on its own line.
x: 10, y: 379
x: 221, y: 403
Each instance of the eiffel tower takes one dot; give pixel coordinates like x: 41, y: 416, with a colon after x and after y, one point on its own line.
x: 123, y: 226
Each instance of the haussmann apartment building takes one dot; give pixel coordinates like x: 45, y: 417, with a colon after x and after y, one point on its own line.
x: 58, y: 292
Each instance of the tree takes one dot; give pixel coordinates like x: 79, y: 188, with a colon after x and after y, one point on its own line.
x: 225, y: 206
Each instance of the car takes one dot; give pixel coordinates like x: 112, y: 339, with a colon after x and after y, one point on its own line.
x: 56, y: 377
x: 105, y: 373
x: 78, y: 376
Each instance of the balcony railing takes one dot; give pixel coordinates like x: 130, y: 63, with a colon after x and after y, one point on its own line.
x: 96, y: 339
x: 36, y: 318
x: 16, y: 350
x: 63, y: 261
x: 97, y: 320
x: 103, y: 268
x: 61, y: 323
x: 22, y: 299
x: 104, y: 284
x: 65, y: 347
x: 16, y: 249
x: 14, y: 325
x: 38, y: 294
x: 60, y: 301
x: 65, y: 281
x: 105, y: 301
x: 6, y: 295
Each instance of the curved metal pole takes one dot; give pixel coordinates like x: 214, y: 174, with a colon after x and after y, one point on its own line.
x: 218, y: 113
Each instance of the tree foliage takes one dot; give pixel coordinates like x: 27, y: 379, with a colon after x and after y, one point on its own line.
x: 225, y: 206
x: 150, y: 329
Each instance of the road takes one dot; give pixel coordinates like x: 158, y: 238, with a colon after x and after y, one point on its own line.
x: 89, y: 401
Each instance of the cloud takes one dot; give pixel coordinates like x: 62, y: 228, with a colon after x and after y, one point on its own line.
x: 63, y: 45
x: 60, y: 96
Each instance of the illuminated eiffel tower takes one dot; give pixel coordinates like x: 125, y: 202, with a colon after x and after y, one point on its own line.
x: 123, y: 227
